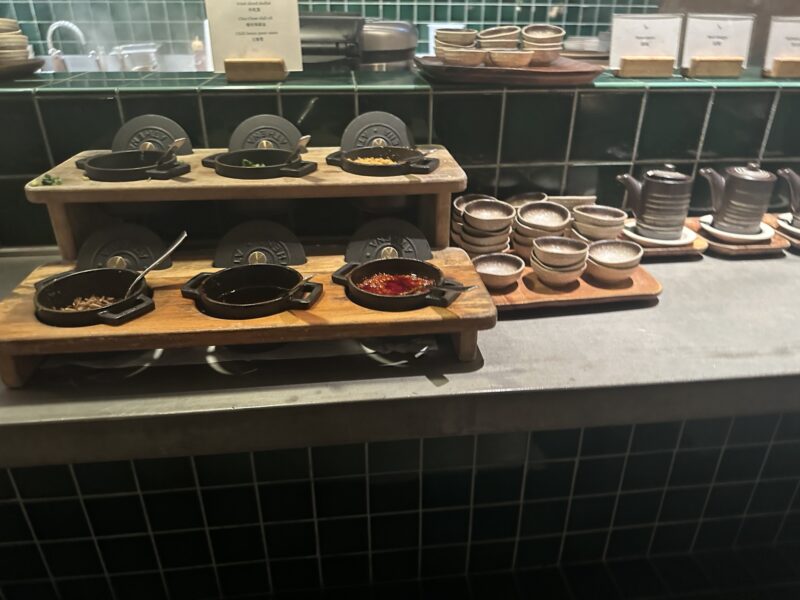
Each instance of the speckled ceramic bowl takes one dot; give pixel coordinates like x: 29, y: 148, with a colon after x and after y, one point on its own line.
x: 556, y: 277
x: 489, y: 215
x: 616, y: 254
x: 460, y: 202
x: 603, y: 216
x: 608, y: 275
x: 560, y: 252
x: 544, y: 215
x: 457, y: 37
x: 499, y: 270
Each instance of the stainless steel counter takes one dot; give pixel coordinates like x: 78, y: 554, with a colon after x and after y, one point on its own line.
x: 723, y: 340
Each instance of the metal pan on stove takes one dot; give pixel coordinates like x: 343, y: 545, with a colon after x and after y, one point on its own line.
x: 55, y: 293
x: 442, y: 293
x: 251, y: 291
x: 232, y: 164
x: 405, y: 161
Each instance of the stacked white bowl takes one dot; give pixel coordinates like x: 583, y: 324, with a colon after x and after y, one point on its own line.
x: 535, y: 220
x: 546, y: 42
x: 458, y: 47
x: 596, y: 222
x: 13, y: 45
x: 613, y: 261
x: 559, y: 261
x: 487, y: 226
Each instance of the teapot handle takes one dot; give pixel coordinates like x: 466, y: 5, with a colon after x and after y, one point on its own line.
x: 717, y: 184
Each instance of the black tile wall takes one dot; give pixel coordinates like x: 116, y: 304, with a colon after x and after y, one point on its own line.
x: 605, y: 126
x: 181, y: 108
x: 534, y: 127
x: 672, y: 125
x: 737, y: 124
x: 471, y: 140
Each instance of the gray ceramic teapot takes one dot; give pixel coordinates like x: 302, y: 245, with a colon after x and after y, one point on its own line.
x: 740, y: 198
x: 660, y: 202
x: 793, y: 179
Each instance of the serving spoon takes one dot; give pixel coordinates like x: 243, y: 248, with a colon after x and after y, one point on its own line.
x: 156, y: 262
x: 300, y: 283
x: 302, y: 144
x: 169, y: 153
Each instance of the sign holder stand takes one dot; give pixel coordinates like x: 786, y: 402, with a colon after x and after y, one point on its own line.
x: 785, y: 67
x: 646, y: 66
x: 715, y: 66
x: 255, y: 70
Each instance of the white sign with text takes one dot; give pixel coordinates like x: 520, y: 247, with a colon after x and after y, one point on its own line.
x: 783, y: 40
x: 717, y: 35
x: 644, y: 35
x: 255, y: 29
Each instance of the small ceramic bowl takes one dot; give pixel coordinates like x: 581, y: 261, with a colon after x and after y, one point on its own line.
x: 499, y: 270
x: 605, y: 274
x: 599, y: 232
x: 543, y: 34
x: 480, y: 250
x: 518, y: 200
x: 511, y: 59
x: 524, y: 252
x: 559, y: 252
x: 544, y: 215
x: 460, y: 202
x: 521, y: 240
x: 537, y: 46
x: 543, y: 57
x: 456, y: 227
x: 617, y: 254
x: 464, y: 57
x: 534, y: 232
x: 553, y: 277
x: 456, y: 239
x: 571, y: 202
x: 475, y: 232
x: 503, y: 32
x: 458, y: 37
x: 499, y: 44
x: 440, y: 47
x: 603, y: 216
x: 490, y: 240
x: 489, y: 215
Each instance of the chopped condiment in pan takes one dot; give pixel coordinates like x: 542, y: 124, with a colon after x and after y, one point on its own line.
x: 251, y: 165
x: 89, y: 303
x: 388, y: 284
x: 373, y: 160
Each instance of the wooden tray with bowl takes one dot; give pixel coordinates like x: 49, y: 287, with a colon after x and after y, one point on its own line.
x: 562, y: 72
x: 774, y: 246
x: 695, y: 246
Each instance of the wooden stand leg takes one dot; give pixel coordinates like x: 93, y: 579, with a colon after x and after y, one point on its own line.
x: 16, y: 370
x: 62, y: 228
x: 466, y: 345
x: 442, y: 220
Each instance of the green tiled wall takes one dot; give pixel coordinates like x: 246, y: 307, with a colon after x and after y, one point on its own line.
x: 174, y: 23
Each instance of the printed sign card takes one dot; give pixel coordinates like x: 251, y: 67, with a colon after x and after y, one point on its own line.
x: 255, y: 29
x: 717, y: 35
x: 783, y: 40
x: 644, y: 35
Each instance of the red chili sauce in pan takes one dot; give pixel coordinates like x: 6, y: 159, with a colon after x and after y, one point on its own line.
x: 387, y: 284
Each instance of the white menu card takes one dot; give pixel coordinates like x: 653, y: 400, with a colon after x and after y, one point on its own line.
x: 716, y: 35
x: 255, y: 29
x: 644, y: 35
x: 783, y: 40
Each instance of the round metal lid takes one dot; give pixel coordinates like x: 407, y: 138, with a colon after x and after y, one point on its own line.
x: 125, y: 246
x: 264, y: 131
x: 383, y: 36
x: 751, y: 172
x: 150, y: 132
x: 668, y: 173
x: 387, y: 238
x: 259, y: 243
x: 376, y: 128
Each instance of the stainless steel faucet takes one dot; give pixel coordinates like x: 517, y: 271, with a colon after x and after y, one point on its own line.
x: 59, y: 64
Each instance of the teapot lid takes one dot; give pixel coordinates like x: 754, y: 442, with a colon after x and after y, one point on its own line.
x: 668, y: 173
x: 751, y: 172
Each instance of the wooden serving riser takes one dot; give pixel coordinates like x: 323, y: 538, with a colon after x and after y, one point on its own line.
x: 72, y: 220
x: 773, y: 247
x: 177, y: 323
x: 772, y: 220
x: 529, y: 292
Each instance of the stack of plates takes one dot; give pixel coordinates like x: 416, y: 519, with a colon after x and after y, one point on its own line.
x: 13, y: 45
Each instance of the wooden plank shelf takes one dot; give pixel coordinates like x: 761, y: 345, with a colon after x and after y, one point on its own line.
x: 73, y: 205
x: 176, y: 322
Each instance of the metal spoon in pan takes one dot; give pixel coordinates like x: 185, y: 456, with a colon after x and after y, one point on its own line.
x: 302, y: 144
x: 157, y: 262
x: 170, y: 152
x: 291, y: 291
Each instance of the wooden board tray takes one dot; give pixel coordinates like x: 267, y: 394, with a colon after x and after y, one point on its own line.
x: 176, y: 322
x: 773, y: 247
x: 564, y: 71
x: 529, y: 292
x: 772, y: 220
x: 695, y: 249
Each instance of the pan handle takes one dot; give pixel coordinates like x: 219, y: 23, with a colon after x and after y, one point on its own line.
x: 175, y: 170
x: 340, y: 275
x: 189, y: 289
x: 440, y: 296
x: 211, y: 160
x: 299, y: 298
x: 423, y: 167
x: 144, y: 304
x: 299, y: 169
x: 335, y: 159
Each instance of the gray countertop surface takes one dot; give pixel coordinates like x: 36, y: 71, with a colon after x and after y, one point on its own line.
x: 724, y: 338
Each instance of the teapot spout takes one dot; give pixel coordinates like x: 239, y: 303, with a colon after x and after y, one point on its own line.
x: 717, y: 184
x: 634, y: 189
x: 793, y: 179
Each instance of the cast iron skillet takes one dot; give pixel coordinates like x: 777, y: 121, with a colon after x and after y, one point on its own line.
x: 131, y: 165
x: 229, y: 164
x: 419, y: 163
x: 250, y: 291
x: 61, y: 289
x: 440, y: 295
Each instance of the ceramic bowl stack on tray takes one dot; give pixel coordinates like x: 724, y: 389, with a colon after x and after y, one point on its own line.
x: 487, y: 226
x: 458, y: 47
x: 13, y: 45
x: 535, y: 220
x: 558, y: 261
x: 545, y: 41
x: 613, y: 261
x: 594, y: 223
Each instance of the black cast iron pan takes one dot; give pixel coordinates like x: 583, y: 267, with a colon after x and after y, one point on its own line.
x: 444, y: 292
x: 250, y: 291
x: 60, y: 290
x: 131, y: 165
x: 230, y: 164
x: 409, y: 161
